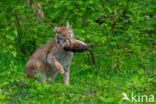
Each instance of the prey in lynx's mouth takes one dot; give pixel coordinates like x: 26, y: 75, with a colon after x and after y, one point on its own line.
x: 75, y: 45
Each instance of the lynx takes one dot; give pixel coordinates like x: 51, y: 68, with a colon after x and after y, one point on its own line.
x: 51, y: 58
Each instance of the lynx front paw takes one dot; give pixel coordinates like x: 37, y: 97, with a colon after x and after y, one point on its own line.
x: 60, y: 69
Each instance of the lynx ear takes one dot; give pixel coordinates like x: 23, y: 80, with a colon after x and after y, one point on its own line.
x: 67, y: 24
x: 55, y: 28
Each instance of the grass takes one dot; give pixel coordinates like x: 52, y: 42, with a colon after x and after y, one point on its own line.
x: 88, y: 85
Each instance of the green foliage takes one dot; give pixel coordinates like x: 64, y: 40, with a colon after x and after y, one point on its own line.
x: 122, y: 33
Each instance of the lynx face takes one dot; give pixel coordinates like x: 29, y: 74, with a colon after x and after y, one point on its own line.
x: 63, y: 33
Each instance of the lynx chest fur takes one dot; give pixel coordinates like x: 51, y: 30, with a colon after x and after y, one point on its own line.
x: 64, y: 57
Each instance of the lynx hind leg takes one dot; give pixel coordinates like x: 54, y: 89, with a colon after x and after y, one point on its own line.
x: 30, y: 70
x: 33, y: 73
x: 36, y: 67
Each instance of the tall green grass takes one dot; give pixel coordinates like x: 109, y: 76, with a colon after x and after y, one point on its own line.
x: 88, y: 84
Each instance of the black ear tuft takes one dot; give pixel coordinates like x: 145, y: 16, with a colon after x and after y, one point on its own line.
x: 67, y: 24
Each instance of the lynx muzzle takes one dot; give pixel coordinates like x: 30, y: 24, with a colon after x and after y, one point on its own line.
x: 75, y: 45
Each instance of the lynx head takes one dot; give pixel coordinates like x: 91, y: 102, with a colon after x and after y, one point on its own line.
x: 63, y: 33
